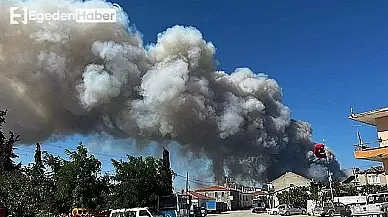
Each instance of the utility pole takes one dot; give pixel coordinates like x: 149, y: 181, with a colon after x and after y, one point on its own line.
x: 329, y: 173
x: 187, y: 183
x: 331, y: 188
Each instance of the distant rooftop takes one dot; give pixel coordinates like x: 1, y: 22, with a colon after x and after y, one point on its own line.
x: 214, y: 188
x: 370, y: 117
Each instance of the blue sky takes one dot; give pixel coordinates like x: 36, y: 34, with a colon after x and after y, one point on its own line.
x: 327, y: 56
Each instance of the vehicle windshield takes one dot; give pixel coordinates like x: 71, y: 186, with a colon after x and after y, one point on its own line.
x: 380, y: 198
x: 124, y: 214
x: 168, y: 202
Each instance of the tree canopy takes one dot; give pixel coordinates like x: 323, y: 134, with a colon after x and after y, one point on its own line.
x: 53, y: 185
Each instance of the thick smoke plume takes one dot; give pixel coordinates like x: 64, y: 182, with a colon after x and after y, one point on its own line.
x: 62, y: 78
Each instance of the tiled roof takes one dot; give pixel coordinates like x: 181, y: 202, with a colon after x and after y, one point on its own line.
x: 348, y: 179
x: 196, y: 195
x: 258, y: 193
x: 214, y: 188
x: 378, y: 169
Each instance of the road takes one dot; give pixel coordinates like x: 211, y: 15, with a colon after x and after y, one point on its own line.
x: 246, y: 213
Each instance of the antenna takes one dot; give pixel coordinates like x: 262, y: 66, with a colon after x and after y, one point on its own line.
x: 360, y: 142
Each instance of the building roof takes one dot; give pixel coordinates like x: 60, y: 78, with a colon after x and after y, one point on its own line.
x: 377, y: 169
x: 348, y: 179
x: 256, y: 193
x: 369, y: 117
x: 215, y: 188
x: 289, y: 173
x: 196, y: 195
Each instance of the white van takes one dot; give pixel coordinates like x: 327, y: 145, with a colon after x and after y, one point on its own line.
x: 134, y: 212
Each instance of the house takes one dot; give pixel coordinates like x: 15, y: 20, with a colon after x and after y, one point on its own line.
x: 289, y: 179
x: 198, y: 199
x: 283, y: 183
x: 246, y: 200
x: 261, y: 196
x: 222, y: 194
x: 371, y: 176
x: 374, y: 150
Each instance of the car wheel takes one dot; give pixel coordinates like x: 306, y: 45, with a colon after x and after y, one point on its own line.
x: 275, y: 213
x: 287, y: 213
x: 303, y: 212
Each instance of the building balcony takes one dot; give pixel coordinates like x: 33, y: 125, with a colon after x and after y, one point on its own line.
x: 374, y: 154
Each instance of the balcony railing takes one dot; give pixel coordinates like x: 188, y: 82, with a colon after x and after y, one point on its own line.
x: 369, y: 145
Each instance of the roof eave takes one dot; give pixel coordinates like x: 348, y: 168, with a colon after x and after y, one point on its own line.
x: 359, y: 119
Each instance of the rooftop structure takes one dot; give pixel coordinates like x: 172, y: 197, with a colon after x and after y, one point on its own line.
x: 379, y: 151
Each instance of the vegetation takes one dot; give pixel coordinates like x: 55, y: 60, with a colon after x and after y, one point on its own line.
x: 296, y: 195
x: 321, y: 191
x: 53, y: 185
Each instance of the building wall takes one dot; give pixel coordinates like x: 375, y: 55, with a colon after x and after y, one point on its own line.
x: 246, y: 200
x: 364, y: 180
x: 382, y: 129
x: 289, y: 178
x: 224, y: 196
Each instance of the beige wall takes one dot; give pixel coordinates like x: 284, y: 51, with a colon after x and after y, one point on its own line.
x: 290, y: 178
x: 382, y: 129
x: 363, y: 179
x: 385, y: 164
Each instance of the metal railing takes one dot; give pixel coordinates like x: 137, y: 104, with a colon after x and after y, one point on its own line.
x: 369, y: 145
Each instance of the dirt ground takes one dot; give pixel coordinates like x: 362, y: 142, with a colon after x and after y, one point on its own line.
x: 247, y: 213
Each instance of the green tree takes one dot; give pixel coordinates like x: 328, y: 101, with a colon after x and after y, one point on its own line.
x: 340, y: 190
x: 7, y: 147
x: 294, y: 195
x: 167, y: 174
x: 38, y: 162
x: 139, y: 182
x: 15, y: 188
x: 371, y: 189
x: 77, y: 182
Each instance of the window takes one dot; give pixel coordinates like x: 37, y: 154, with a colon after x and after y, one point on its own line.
x: 129, y: 214
x: 373, y: 179
x: 223, y: 194
x: 356, y: 178
x: 168, y: 202
x: 216, y: 194
x: 144, y: 213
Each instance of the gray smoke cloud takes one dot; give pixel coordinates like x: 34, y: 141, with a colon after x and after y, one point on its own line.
x: 61, y: 78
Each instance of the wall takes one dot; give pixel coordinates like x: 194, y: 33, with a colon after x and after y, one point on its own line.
x: 351, y: 199
x: 382, y: 129
x: 363, y: 179
x: 289, y: 178
x: 223, y: 196
x: 382, y: 132
x: 246, y: 200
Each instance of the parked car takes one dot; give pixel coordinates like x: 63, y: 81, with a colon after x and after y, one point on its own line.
x: 330, y: 208
x: 291, y: 210
x: 80, y: 212
x: 102, y: 213
x: 134, y: 212
x: 3, y: 212
x: 275, y: 211
x: 258, y: 210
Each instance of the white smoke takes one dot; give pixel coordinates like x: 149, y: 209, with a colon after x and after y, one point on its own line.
x: 63, y: 77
